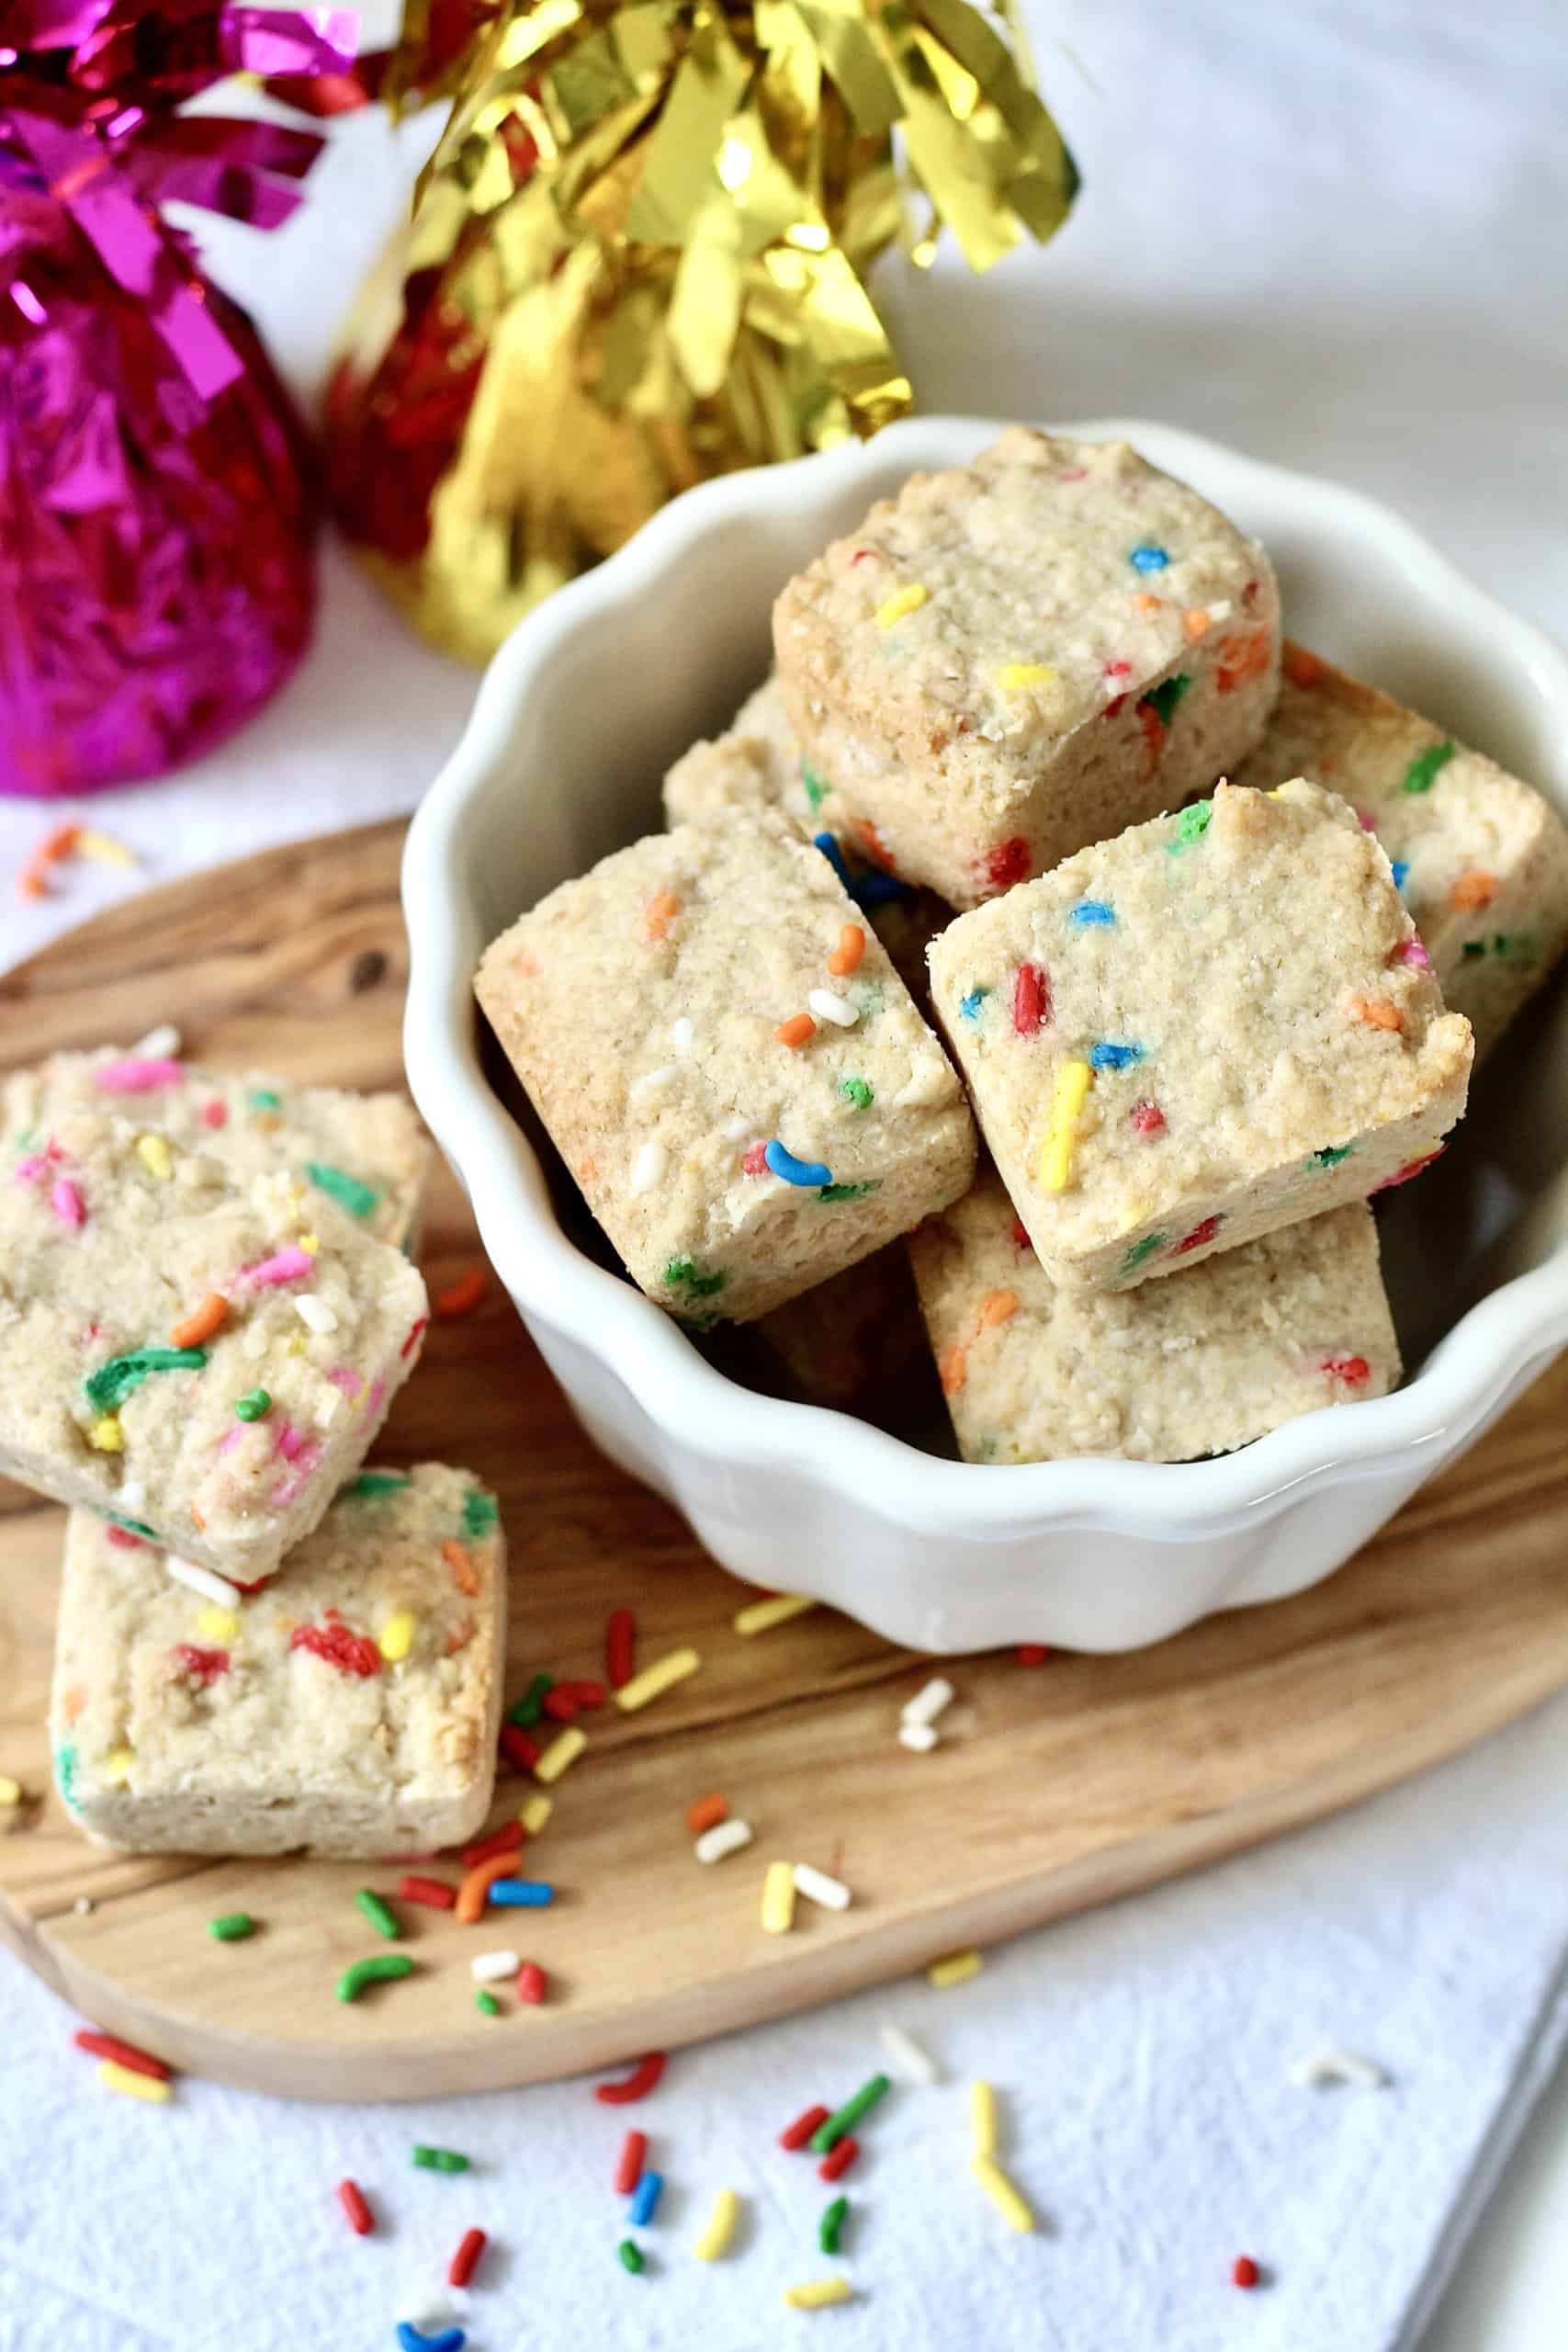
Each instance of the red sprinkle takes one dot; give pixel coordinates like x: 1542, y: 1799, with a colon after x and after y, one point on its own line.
x: 861, y: 555
x: 1245, y: 2271
x: 1117, y: 670
x: 531, y: 1982
x: 643, y: 2078
x: 1007, y: 862
x: 461, y: 1297
x: 351, y: 1653
x: 124, y: 2053
x: 840, y: 2157
x: 628, y: 2165
x: 1031, y: 999
x: 434, y: 1893
x: 706, y: 1814
x: 470, y: 2245
x: 559, y: 1704
x: 587, y: 1695
x: 754, y: 1160
x: 620, y: 1648
x: 1020, y: 1234
x: 203, y: 1665
x: 1351, y: 1370
x: 1147, y: 1117
x: 413, y: 1337
x: 351, y: 2197
x: 215, y: 1113
x: 123, y: 1537
x: 1033, y: 1652
x: 1117, y: 703
x: 1413, y: 1168
x: 1198, y: 1236
x: 519, y: 1751
x: 800, y: 2130
x: 1153, y: 725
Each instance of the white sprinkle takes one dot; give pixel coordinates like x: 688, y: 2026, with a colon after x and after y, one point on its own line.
x: 83, y: 1906
x: 160, y: 1044
x: 653, y: 1079
x: 680, y: 1035
x: 206, y: 1581
x: 836, y: 1009
x: 818, y: 1887
x: 914, y: 2065
x: 429, y: 2313
x: 489, y: 1967
x: 921, y: 1738
x: 1220, y: 612
x: 723, y: 1837
x: 328, y: 1402
x: 1337, y: 2066
x: 133, y: 1495
x: 928, y: 1703
x: 739, y: 1130
x: 649, y: 1168
x: 314, y: 1312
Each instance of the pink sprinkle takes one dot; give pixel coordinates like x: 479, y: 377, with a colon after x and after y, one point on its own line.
x: 289, y: 1443
x: 288, y: 1489
x: 286, y: 1267
x: 230, y: 1438
x: 1411, y: 951
x: 215, y: 1113
x: 124, y: 1538
x: 1366, y: 823
x: 28, y: 1170
x: 344, y: 1376
x: 67, y: 1204
x: 754, y: 1160
x: 139, y: 1077
x: 863, y: 555
x: 372, y: 1403
x: 1117, y: 670
x: 1073, y: 473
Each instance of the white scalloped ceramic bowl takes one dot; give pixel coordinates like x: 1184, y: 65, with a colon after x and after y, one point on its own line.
x: 578, y: 717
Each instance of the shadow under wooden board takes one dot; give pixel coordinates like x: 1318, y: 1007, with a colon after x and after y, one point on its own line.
x: 1057, y: 1787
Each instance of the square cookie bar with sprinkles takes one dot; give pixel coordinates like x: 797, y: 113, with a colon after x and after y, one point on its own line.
x: 1168, y: 1372
x: 365, y: 1153
x: 1481, y: 858
x: 197, y: 1353
x: 1217, y: 1024
x: 729, y: 1066
x: 350, y: 1707
x: 1024, y: 655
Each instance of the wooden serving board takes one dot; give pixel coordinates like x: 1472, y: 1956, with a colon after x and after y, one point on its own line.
x: 1057, y: 1787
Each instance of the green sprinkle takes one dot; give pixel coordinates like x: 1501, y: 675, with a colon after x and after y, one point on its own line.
x: 439, y: 2159
x: 1192, y: 825
x: 815, y: 789
x: 346, y: 1190
x: 849, y: 2114
x: 849, y: 1191
x: 1162, y: 699
x: 382, y: 1917
x: 1474, y: 948
x: 254, y: 1407
x: 1331, y: 1154
x: 383, y: 1970
x: 264, y: 1099
x: 631, y: 2257
x: 376, y: 1482
x: 858, y: 1091
x: 682, y: 1273
x: 1516, y: 946
x: 65, y: 1776
x: 529, y: 1708
x: 1137, y: 1253
x: 27, y: 1140
x: 481, y: 1514
x: 832, y: 2221
x: 232, y: 1927
x: 486, y: 2004
x: 1428, y: 765
x: 132, y: 1526
x: 113, y: 1382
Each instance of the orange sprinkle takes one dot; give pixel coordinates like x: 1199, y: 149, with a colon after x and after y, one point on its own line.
x: 460, y: 1297
x: 31, y: 883
x: 472, y: 1889
x: 460, y: 1636
x: 587, y: 1168
x: 1153, y: 725
x: 525, y: 964
x: 74, y: 1701
x: 197, y: 1519
x: 849, y: 951
x: 953, y: 1370
x: 58, y: 844
x: 1144, y: 602
x: 996, y: 1307
x: 795, y: 1030
x: 871, y: 841
x: 1375, y: 1012
x: 1196, y: 622
x: 462, y: 1568
x: 706, y: 1814
x: 1474, y: 889
x: 210, y: 1316
x: 660, y: 913
x: 1302, y: 668
x: 1241, y: 658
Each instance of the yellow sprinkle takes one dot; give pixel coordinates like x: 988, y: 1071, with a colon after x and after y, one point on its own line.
x: 778, y: 1899
x: 1069, y: 1092
x: 673, y: 1667
x: 153, y: 1153
x: 1013, y: 2208
x: 309, y: 1243
x: 106, y: 1436
x: 397, y: 1636
x: 563, y: 1751
x: 296, y: 1346
x: 762, y: 1616
x: 715, y: 2239
x: 10, y: 1791
x: 133, y: 2085
x: 103, y: 847
x: 982, y: 2120
x: 957, y: 1969
x: 1017, y: 677
x: 902, y: 601
x: 117, y: 1765
x: 218, y: 1624
x: 535, y: 1813
x: 817, y: 2293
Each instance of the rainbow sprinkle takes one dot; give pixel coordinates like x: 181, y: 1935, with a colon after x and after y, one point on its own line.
x: 1428, y: 765
x: 903, y: 601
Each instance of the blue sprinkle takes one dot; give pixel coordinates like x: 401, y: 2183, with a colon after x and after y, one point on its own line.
x: 868, y: 889
x: 1108, y: 1056
x: 1089, y: 911
x: 1148, y: 558
x: 1401, y: 872
x: 451, y: 2339
x: 810, y: 1172
x: 520, y: 1893
x: 970, y: 1008
x: 834, y: 855
x: 648, y: 2189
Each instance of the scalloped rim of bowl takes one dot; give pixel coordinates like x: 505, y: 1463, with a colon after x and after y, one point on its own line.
x: 1467, y: 1375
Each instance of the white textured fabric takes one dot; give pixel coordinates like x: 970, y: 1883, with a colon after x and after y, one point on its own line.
x: 1332, y: 236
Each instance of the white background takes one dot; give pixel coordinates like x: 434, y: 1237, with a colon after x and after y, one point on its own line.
x: 1339, y: 238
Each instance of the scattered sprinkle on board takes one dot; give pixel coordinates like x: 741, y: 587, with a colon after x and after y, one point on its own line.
x: 762, y: 1616
x: 957, y: 1969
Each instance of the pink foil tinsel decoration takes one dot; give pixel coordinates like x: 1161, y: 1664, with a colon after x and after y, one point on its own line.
x: 156, y: 509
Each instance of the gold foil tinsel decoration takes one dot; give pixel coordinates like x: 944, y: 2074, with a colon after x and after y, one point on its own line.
x: 638, y: 257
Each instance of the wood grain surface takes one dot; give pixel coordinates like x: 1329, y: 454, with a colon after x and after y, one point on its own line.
x: 1056, y: 1787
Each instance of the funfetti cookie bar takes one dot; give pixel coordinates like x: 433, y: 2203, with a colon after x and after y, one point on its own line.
x: 1481, y: 859
x: 1219, y: 1023
x: 1168, y: 1372
x: 365, y: 1153
x: 200, y: 1354
x: 729, y: 1066
x: 349, y: 1707
x: 1024, y: 655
